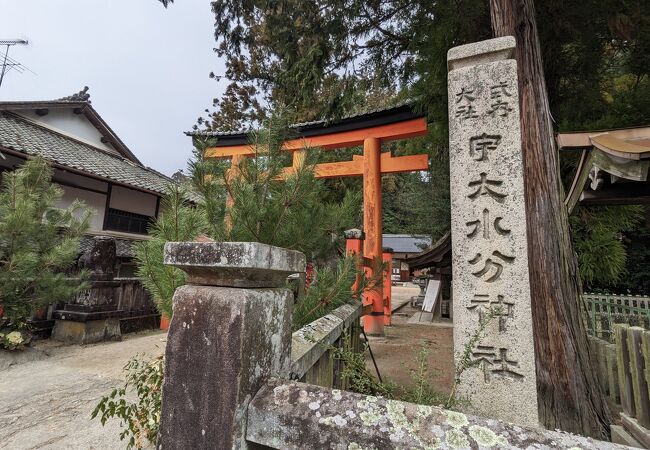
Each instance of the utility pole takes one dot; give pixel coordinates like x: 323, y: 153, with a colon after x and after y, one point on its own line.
x: 10, y: 63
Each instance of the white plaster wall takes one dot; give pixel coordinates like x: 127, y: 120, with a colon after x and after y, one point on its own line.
x: 130, y: 200
x: 80, y: 180
x: 75, y: 125
x: 94, y: 201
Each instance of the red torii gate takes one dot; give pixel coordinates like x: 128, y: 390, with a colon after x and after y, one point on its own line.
x: 370, y: 130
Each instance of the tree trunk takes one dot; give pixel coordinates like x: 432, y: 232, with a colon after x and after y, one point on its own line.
x: 568, y: 392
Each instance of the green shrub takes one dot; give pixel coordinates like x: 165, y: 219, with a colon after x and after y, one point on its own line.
x: 140, y: 419
x: 39, y: 243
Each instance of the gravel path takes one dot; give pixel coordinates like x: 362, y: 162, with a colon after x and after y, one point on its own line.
x: 46, y: 404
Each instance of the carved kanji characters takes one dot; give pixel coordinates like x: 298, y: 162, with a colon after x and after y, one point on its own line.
x: 484, y: 186
x: 480, y: 145
x: 495, y: 361
x: 475, y: 225
x: 466, y: 95
x: 502, y: 308
x: 499, y: 94
x: 464, y: 107
x: 499, y: 90
x: 494, y: 265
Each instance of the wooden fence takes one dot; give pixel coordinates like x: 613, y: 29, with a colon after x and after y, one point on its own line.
x: 603, y: 311
x: 624, y: 377
x: 311, y: 354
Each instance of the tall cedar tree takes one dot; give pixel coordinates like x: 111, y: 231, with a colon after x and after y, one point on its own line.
x: 39, y: 242
x: 569, y: 397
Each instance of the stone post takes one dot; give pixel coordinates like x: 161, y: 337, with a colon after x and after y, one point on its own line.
x: 230, y: 331
x: 490, y: 253
x: 92, y: 315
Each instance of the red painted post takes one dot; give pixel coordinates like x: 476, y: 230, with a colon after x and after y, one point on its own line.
x: 373, y: 323
x: 387, y: 258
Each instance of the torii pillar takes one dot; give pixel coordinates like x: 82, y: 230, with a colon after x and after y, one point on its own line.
x: 373, y: 323
x: 369, y: 130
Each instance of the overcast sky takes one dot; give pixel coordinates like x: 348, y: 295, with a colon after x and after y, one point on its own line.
x: 147, y: 67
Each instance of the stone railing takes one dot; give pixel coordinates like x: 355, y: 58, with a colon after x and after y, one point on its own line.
x: 624, y: 376
x: 228, y: 367
x: 311, y: 359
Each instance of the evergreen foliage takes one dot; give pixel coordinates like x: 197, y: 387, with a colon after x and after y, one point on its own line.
x: 344, y: 56
x: 637, y: 267
x: 267, y: 207
x: 177, y: 222
x: 334, y: 287
x: 39, y: 242
x: 598, y: 241
x: 284, y: 210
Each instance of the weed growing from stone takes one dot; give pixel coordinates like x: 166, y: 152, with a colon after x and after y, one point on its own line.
x: 362, y: 381
x: 140, y: 419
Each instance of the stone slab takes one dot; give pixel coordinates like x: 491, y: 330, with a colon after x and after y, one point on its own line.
x: 488, y: 226
x: 309, y: 343
x: 89, y: 332
x: 639, y: 432
x: 482, y: 52
x: 236, y: 264
x: 289, y: 415
x: 223, y: 343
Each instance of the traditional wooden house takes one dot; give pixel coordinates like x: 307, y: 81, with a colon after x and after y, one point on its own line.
x: 93, y: 165
x: 90, y: 163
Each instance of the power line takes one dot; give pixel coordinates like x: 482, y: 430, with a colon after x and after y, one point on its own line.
x: 9, y: 63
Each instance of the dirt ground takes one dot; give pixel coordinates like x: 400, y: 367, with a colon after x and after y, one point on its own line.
x: 46, y: 403
x: 47, y: 398
x: 396, y: 352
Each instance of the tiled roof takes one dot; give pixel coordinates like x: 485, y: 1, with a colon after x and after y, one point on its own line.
x: 80, y: 101
x: 406, y: 243
x: 25, y: 136
x: 314, y: 123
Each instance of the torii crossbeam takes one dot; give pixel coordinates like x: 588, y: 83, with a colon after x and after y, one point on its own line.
x: 370, y: 130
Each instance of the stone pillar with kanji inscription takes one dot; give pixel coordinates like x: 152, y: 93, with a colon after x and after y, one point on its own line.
x: 490, y: 258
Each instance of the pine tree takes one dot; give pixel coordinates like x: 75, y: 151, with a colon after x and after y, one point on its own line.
x: 178, y: 221
x: 266, y: 206
x: 269, y: 206
x: 38, y: 242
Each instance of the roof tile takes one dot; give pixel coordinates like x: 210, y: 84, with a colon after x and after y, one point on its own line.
x: 22, y: 135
